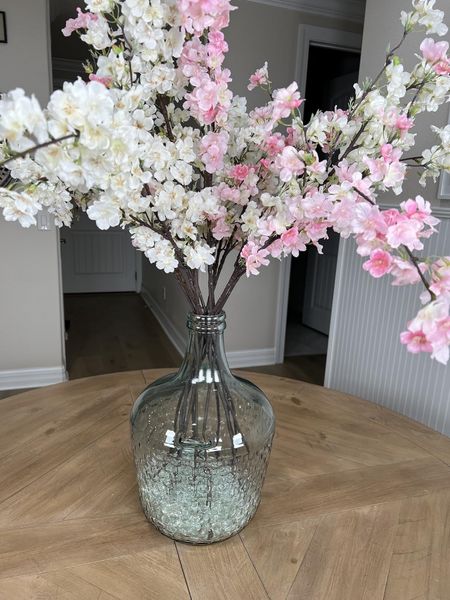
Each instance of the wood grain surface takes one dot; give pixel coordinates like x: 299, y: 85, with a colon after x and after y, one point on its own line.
x: 356, y: 505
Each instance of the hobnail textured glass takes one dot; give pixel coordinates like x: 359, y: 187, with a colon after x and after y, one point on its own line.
x: 201, y: 442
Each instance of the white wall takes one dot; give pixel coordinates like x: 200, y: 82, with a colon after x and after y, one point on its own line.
x: 365, y: 356
x: 258, y: 32
x: 31, y: 350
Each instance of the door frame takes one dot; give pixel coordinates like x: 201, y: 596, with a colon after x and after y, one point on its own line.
x: 308, y: 35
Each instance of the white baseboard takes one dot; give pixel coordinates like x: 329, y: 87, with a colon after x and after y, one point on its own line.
x: 31, y: 378
x: 238, y: 359
x: 259, y: 357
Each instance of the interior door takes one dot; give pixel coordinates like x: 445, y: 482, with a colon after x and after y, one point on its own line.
x: 320, y: 276
x: 95, y: 260
x: 321, y: 268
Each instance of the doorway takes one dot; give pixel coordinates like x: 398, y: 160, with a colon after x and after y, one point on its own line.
x: 107, y: 325
x: 307, y: 282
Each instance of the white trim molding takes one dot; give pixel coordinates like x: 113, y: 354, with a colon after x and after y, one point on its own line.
x: 444, y: 183
x: 309, y: 35
x: 349, y: 10
x: 259, y: 357
x: 444, y: 187
x: 32, y: 378
x: 238, y: 359
x: 440, y: 212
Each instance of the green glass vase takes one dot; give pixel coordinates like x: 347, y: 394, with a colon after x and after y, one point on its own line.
x: 201, y: 442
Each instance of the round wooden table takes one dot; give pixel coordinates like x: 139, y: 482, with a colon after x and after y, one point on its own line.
x: 356, y: 504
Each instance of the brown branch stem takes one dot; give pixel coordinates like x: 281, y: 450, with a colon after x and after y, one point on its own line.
x: 38, y: 147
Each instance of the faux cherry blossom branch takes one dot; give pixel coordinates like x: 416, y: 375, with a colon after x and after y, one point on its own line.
x: 262, y: 184
x: 37, y: 147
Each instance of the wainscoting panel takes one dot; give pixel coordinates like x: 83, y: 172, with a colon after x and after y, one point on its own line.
x: 365, y: 357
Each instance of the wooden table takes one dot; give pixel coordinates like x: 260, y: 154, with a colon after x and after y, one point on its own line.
x: 356, y: 504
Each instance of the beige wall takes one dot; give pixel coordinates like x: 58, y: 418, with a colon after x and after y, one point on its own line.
x: 382, y: 26
x: 257, y: 33
x: 30, y: 313
x: 250, y: 311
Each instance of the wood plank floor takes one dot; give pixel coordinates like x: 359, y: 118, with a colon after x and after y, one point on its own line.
x: 111, y: 333
x: 114, y: 332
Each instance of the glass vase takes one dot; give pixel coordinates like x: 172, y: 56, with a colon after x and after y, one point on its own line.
x: 201, y: 442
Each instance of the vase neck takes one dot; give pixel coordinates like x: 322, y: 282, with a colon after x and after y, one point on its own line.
x: 205, y: 356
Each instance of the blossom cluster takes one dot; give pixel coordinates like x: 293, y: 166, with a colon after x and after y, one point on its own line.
x: 157, y: 143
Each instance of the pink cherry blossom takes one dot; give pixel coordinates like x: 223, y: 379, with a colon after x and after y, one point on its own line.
x: 207, y: 94
x: 276, y: 248
x: 440, y: 270
x: 368, y: 221
x: 390, y: 154
x: 254, y: 258
x: 210, y: 99
x: 240, y: 172
x: 313, y: 164
x: 416, y: 341
x: 346, y: 171
x: 228, y: 194
x: 429, y: 331
x: 199, y: 15
x: 442, y: 67
x: 106, y: 81
x: 404, y: 272
x: 429, y: 315
x: 266, y: 227
x: 274, y: 144
x: 193, y: 58
x: 293, y: 138
x: 405, y: 233
x: 436, y: 54
x: 289, y: 164
x: 349, y: 174
x: 80, y: 22
x: 433, y: 51
x: 420, y: 210
x: 293, y: 242
x: 379, y: 264
x: 285, y: 100
x: 440, y: 340
x: 342, y: 215
x: 316, y: 205
x: 388, y: 168
x: 217, y: 42
x: 391, y: 216
x: 221, y: 230
x: 377, y: 168
x: 317, y: 231
x: 404, y: 123
x: 259, y: 78
x: 213, y: 147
